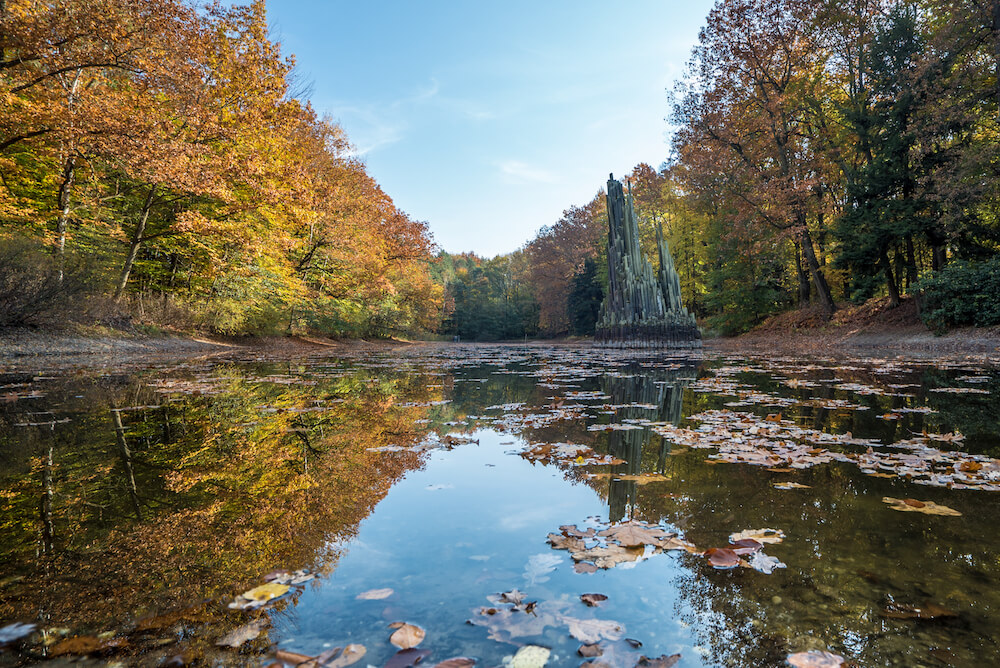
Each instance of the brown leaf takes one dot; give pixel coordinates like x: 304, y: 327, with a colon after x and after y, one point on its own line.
x: 340, y: 658
x: 243, y: 634
x: 815, y: 659
x: 584, y: 567
x: 405, y: 658
x: 590, y: 651
x: 746, y: 546
x: 722, y: 557
x: 457, y: 662
x: 593, y: 599
x: 407, y: 636
x: 927, y: 611
x: 291, y: 658
x: 561, y: 542
x: 634, y: 534
x: 925, y: 507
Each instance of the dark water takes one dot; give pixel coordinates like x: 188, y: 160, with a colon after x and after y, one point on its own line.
x: 135, y: 505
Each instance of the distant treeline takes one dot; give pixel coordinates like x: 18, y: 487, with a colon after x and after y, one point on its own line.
x: 157, y: 164
x: 825, y: 152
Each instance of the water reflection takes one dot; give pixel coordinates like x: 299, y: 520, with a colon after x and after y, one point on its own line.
x: 129, y: 499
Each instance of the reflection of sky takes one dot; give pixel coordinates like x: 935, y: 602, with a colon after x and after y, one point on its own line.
x: 430, y: 545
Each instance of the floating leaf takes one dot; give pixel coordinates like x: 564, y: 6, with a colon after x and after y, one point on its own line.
x: 405, y: 658
x: 746, y: 546
x: 759, y: 535
x: 375, y: 594
x: 925, y: 507
x: 764, y: 563
x: 561, y: 542
x: 815, y: 659
x: 340, y: 657
x: 722, y: 557
x: 407, y: 636
x: 291, y: 658
x: 789, y: 485
x: 530, y: 656
x: 584, y: 567
x: 590, y: 650
x: 927, y: 611
x: 634, y: 534
x: 593, y: 599
x: 457, y: 662
x: 258, y: 596
x: 594, y: 630
x: 243, y: 634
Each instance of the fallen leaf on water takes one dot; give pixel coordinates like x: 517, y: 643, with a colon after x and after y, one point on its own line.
x: 245, y: 633
x: 663, y: 661
x: 15, y: 631
x: 764, y: 563
x: 789, y: 485
x: 759, y: 535
x: 339, y: 657
x: 375, y: 594
x: 590, y: 651
x: 561, y: 542
x: 927, y: 611
x: 593, y: 599
x: 457, y: 662
x: 405, y: 658
x: 634, y: 534
x: 925, y: 507
x: 584, y: 567
x: 594, y: 630
x: 291, y: 658
x: 722, y: 557
x: 530, y: 656
x: 746, y: 546
x: 815, y: 659
x: 258, y: 596
x: 643, y: 478
x: 407, y: 636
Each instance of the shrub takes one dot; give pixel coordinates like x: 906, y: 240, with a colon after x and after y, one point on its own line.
x: 961, y: 294
x: 31, y: 292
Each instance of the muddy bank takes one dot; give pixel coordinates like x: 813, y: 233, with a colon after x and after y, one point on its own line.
x: 28, y: 348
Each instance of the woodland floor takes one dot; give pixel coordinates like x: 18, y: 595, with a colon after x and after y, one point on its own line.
x: 870, y: 325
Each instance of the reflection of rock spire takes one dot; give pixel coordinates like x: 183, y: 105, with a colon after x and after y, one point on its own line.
x: 639, y: 311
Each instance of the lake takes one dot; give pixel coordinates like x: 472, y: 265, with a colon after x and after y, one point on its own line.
x: 437, y: 501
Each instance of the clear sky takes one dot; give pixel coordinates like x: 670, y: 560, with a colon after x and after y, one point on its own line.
x: 488, y: 118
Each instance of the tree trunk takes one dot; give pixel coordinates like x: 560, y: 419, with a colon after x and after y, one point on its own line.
x: 996, y: 52
x: 911, y: 263
x: 126, y: 456
x: 802, y: 276
x: 890, y: 281
x: 65, y: 188
x: 819, y: 280
x: 45, y: 505
x: 137, y: 239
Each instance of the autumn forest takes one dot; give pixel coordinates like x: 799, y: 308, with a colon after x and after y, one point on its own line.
x: 161, y: 166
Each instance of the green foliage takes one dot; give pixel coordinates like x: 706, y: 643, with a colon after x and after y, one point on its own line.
x: 490, y: 301
x: 962, y: 294
x: 585, y: 297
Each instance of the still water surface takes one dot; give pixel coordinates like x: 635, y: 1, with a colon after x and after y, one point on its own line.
x: 136, y: 504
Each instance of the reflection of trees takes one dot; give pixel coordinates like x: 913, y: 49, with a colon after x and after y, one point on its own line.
x: 657, y: 397
x: 168, y: 499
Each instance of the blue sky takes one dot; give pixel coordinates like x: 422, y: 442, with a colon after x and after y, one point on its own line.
x: 488, y: 119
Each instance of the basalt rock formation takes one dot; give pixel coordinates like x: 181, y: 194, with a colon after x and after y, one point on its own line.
x: 641, y: 309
